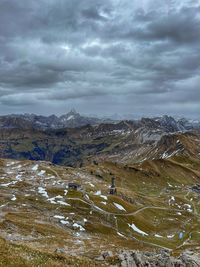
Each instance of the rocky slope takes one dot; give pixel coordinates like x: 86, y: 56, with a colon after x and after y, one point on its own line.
x: 125, y: 142
x: 161, y: 259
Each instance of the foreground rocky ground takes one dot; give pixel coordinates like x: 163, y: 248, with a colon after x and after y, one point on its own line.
x: 161, y: 259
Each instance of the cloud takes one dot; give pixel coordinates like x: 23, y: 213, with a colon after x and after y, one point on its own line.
x: 120, y: 56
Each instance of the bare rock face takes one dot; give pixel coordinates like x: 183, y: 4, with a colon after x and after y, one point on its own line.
x: 162, y: 259
x: 190, y: 259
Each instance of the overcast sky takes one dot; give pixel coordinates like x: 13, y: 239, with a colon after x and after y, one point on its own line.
x: 100, y: 56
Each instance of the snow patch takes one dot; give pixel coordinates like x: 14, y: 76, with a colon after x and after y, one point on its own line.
x: 63, y: 203
x: 120, y: 207
x: 71, y: 117
x: 120, y: 234
x: 43, y: 192
x: 80, y: 227
x: 98, y: 193
x: 59, y: 217
x: 170, y: 236
x: 35, y: 167
x: 13, y: 198
x: 136, y: 229
x: 64, y: 222
x: 41, y: 173
x: 159, y: 236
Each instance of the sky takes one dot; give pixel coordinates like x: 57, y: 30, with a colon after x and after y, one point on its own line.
x: 100, y: 57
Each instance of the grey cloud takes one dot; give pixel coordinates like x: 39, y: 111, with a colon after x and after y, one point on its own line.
x: 111, y: 53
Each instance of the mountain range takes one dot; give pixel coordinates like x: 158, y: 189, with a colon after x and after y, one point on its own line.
x: 156, y: 165
x: 73, y: 119
x: 32, y: 121
x: 84, y: 139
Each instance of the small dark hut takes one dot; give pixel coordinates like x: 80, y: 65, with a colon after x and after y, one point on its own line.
x: 74, y: 186
x: 113, y: 190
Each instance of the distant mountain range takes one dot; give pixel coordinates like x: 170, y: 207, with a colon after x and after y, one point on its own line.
x: 74, y: 140
x: 73, y: 119
x: 70, y: 120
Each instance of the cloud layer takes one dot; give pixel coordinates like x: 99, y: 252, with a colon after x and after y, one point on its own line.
x: 102, y: 56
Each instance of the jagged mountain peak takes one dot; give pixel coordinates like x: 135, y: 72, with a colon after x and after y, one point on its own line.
x: 73, y: 112
x: 71, y: 115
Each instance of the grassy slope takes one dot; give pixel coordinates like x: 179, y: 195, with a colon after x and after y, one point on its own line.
x: 145, y: 191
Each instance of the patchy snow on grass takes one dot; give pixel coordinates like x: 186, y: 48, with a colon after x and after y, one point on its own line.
x: 63, y: 203
x: 136, y: 229
x: 120, y: 207
x: 17, y: 167
x: 104, y: 197
x: 59, y: 217
x: 52, y: 200
x: 170, y: 236
x: 18, y: 177
x: 59, y: 196
x: 10, y: 163
x: 13, y: 198
x: 64, y: 222
x: 43, y: 192
x: 78, y: 226
x: 7, y: 184
x: 50, y: 177
x: 92, y: 185
x: 98, y: 209
x: 159, y: 236
x: 35, y: 167
x: 98, y: 193
x: 188, y: 207
x: 41, y: 173
x: 171, y: 200
x: 120, y: 234
x: 103, y: 202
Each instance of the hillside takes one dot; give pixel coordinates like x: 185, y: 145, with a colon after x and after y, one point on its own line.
x: 43, y: 222
x: 156, y: 165
x: 125, y: 142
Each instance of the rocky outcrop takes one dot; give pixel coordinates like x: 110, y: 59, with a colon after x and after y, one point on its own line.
x: 163, y: 259
x: 150, y: 259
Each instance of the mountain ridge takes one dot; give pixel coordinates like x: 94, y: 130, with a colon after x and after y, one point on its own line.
x: 73, y: 119
x: 125, y: 141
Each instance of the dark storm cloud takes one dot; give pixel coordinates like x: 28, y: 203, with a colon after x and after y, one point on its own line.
x: 124, y: 54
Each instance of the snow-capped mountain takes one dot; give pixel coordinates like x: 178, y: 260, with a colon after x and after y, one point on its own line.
x: 73, y: 119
